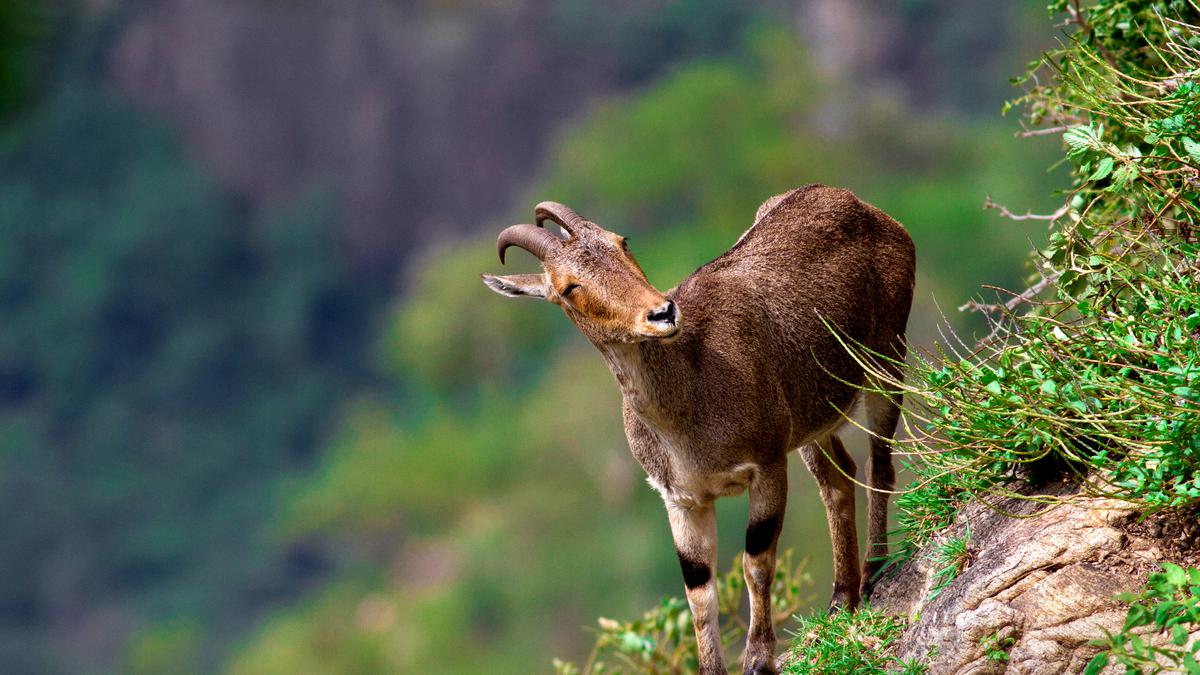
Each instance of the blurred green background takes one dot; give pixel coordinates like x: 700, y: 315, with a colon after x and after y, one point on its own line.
x: 257, y: 412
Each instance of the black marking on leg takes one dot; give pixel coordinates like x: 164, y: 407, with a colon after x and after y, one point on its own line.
x: 761, y: 534
x: 695, y: 574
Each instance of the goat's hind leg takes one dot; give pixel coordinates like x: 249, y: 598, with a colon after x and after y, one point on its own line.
x: 883, y: 412
x: 768, y: 501
x: 833, y: 468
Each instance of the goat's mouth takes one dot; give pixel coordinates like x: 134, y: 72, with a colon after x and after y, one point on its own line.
x: 662, y: 331
x: 665, y: 338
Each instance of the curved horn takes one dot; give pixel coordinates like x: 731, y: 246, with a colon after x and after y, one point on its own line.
x: 563, y: 215
x: 533, y: 239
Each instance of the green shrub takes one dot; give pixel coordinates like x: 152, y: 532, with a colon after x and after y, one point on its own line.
x: 1092, y: 373
x: 1168, y: 604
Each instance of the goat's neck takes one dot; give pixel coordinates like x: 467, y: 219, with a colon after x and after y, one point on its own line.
x: 653, y: 379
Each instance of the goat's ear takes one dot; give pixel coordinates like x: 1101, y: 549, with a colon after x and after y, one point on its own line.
x: 519, y: 285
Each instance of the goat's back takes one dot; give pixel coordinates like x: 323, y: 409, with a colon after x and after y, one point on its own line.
x: 816, y: 258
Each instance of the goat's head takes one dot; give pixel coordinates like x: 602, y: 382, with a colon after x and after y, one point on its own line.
x: 590, y: 274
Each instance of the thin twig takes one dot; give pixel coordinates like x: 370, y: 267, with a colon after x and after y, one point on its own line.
x: 1016, y: 301
x: 1028, y: 215
x: 1042, y: 132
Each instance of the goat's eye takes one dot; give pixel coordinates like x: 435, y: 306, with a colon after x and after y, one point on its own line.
x: 625, y: 243
x: 569, y: 289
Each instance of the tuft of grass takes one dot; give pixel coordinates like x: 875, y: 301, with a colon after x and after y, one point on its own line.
x: 849, y: 642
x: 859, y: 643
x: 995, y: 648
x: 950, y: 559
x: 927, y: 508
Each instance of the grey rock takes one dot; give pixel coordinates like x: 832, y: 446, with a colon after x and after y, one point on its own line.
x: 1040, y: 586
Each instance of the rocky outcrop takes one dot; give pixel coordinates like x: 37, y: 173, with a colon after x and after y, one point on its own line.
x: 1039, y: 586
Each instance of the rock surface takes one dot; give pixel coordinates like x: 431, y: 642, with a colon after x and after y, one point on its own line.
x: 1040, y: 586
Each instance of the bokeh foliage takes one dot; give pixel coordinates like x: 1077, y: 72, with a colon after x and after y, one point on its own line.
x: 165, y: 361
x: 22, y: 24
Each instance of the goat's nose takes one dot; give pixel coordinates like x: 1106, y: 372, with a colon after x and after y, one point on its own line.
x: 666, y: 314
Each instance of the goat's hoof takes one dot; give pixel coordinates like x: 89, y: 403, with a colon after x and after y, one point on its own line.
x: 759, y: 661
x: 843, y: 599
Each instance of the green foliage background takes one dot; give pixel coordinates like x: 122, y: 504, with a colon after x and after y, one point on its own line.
x: 22, y: 24
x: 206, y: 417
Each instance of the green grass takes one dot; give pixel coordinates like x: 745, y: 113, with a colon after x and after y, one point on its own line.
x: 860, y: 642
x: 950, y: 558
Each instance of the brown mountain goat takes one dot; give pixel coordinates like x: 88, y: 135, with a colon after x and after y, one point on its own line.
x: 737, y: 366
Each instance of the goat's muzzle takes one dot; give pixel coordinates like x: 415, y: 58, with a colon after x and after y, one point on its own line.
x: 663, y: 321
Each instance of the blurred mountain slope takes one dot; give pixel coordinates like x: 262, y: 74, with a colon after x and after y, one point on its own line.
x: 427, y: 117
x: 176, y: 343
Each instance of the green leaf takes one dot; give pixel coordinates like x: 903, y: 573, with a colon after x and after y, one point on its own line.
x: 1179, y: 634
x: 1081, y: 139
x: 1193, y: 149
x: 1175, y: 574
x: 633, y: 642
x: 1123, y: 176
x: 1096, y: 664
x: 1136, y: 616
x: 1103, y: 168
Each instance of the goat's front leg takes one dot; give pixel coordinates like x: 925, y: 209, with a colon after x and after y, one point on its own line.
x: 695, y: 532
x: 768, y: 500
